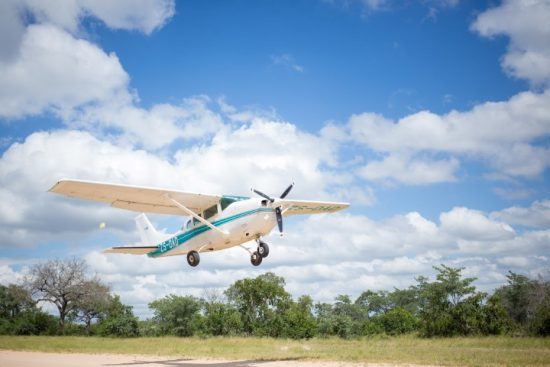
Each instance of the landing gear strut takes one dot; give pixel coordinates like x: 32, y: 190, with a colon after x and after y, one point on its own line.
x: 193, y: 258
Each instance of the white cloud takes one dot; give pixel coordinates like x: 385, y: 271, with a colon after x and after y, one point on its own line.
x: 54, y: 71
x: 526, y: 23
x: 142, y: 15
x: 515, y: 261
x: 500, y: 134
x: 535, y: 216
x: 408, y: 170
x: 470, y: 224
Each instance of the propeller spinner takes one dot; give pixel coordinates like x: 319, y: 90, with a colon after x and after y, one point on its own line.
x: 278, y: 212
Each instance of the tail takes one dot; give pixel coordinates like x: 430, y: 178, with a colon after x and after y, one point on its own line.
x: 147, y: 232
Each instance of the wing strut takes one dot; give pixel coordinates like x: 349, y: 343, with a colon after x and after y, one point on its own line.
x: 196, y: 216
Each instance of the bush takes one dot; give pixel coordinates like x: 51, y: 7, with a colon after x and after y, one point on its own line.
x: 397, y: 321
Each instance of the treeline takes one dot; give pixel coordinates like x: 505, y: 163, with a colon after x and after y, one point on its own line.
x: 449, y: 305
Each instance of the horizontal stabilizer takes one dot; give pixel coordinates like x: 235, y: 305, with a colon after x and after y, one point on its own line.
x: 133, y: 250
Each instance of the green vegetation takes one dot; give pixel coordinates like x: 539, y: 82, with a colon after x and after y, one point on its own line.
x: 458, y: 351
x: 447, y: 306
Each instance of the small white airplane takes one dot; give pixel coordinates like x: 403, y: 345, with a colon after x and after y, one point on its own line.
x: 217, y: 221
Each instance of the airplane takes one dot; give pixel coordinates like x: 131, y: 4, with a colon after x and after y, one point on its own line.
x: 217, y: 221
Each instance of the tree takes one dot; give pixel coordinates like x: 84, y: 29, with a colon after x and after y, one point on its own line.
x: 450, y: 305
x: 261, y: 302
x: 61, y: 282
x: 397, y: 321
x: 516, y: 296
x: 118, y: 320
x: 221, y: 319
x: 93, y: 303
x: 14, y: 299
x: 299, y: 320
x: 374, y: 302
x: 527, y: 301
x: 177, y: 315
x: 19, y: 314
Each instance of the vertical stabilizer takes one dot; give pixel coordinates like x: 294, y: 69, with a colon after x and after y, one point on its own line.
x: 148, y: 233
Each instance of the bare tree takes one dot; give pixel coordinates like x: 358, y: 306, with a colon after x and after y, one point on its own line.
x: 61, y: 282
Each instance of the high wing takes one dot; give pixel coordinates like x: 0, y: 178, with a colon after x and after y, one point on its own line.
x: 135, y: 198
x: 293, y: 207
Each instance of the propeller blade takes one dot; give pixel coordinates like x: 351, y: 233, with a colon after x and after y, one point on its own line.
x: 285, y: 193
x: 263, y: 195
x: 279, y: 218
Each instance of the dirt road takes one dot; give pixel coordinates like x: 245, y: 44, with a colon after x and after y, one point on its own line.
x: 32, y: 359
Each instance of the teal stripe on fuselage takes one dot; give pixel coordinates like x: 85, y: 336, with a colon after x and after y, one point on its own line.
x: 180, y: 239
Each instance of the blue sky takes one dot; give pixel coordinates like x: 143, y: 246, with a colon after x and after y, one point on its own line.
x: 430, y: 117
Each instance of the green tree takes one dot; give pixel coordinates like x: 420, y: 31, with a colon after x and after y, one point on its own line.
x: 495, y: 317
x: 450, y: 305
x: 397, y: 321
x: 299, y: 319
x: 14, y: 299
x: 516, y: 296
x: 374, y: 303
x: 177, y: 315
x: 221, y: 319
x: 261, y: 301
x: 118, y: 320
x: 19, y: 314
x: 406, y: 299
x: 93, y: 304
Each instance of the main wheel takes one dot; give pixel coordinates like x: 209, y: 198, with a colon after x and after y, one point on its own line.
x: 263, y: 249
x: 193, y: 258
x: 256, y: 258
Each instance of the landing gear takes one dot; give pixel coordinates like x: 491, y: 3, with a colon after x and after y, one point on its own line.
x: 263, y: 249
x: 256, y: 258
x: 193, y: 258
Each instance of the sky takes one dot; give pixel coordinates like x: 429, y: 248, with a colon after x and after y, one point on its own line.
x: 431, y: 117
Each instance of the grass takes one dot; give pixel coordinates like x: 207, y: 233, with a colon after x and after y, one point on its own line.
x: 472, y: 351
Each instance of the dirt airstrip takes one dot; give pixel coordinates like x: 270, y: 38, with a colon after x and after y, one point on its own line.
x: 32, y: 359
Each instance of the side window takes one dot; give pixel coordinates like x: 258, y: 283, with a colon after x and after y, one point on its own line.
x: 210, y: 212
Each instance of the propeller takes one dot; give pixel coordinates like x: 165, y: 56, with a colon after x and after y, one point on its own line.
x: 278, y: 212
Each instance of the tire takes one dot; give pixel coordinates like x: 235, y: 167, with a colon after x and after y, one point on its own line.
x: 256, y: 258
x: 193, y: 258
x: 263, y: 249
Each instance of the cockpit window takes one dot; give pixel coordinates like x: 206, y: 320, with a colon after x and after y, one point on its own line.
x: 210, y: 212
x: 227, y: 200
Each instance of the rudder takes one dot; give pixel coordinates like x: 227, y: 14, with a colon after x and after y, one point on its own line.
x: 147, y: 232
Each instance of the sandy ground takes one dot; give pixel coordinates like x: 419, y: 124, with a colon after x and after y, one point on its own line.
x: 32, y: 359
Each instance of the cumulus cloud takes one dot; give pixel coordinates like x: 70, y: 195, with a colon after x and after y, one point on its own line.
x: 535, y: 216
x: 57, y: 72
x: 141, y: 15
x: 470, y: 224
x: 525, y: 22
x: 501, y: 134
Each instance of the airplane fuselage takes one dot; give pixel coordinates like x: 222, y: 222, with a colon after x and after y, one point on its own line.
x: 243, y: 221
